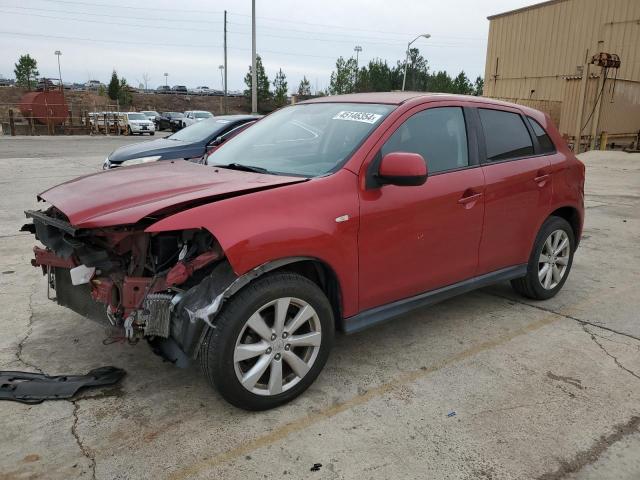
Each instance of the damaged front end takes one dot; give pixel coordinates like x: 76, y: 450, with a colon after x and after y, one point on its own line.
x: 151, y: 285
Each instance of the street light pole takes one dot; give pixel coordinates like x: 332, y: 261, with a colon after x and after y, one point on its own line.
x: 226, y: 106
x: 166, y: 78
x: 254, y: 76
x: 357, y: 49
x: 58, y: 53
x: 406, y: 62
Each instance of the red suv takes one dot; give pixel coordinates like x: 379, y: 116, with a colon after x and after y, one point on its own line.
x: 333, y: 214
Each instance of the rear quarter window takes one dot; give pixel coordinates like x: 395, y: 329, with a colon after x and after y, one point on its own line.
x: 546, y: 145
x: 506, y: 135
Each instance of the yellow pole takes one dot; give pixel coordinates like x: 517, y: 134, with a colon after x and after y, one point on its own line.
x: 603, y: 141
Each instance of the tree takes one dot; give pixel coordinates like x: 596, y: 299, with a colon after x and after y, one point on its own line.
x: 113, y: 90
x: 462, y: 84
x: 280, y: 88
x: 342, y: 79
x: 417, y: 71
x: 26, y: 71
x: 375, y: 77
x: 262, y: 84
x: 478, y: 86
x: 440, y: 82
x: 124, y: 95
x: 304, y: 89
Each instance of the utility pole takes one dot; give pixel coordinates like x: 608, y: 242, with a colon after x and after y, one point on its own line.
x: 254, y: 76
x: 58, y: 53
x: 357, y: 49
x: 225, y: 63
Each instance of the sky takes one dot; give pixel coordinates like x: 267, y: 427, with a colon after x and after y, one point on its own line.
x: 148, y: 38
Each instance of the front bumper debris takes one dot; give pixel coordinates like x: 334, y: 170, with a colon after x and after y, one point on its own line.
x: 28, y: 387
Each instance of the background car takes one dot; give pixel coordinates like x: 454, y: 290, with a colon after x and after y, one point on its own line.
x: 163, y: 89
x: 94, y: 85
x: 193, y: 116
x: 151, y: 115
x: 202, y: 90
x: 163, y: 121
x: 190, y: 143
x: 179, y: 89
x: 138, y: 123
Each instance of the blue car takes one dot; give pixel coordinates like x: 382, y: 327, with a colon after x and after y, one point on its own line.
x: 189, y: 143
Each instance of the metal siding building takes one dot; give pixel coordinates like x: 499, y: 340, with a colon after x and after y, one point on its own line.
x: 536, y: 56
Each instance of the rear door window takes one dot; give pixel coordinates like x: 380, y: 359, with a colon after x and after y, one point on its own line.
x: 506, y: 135
x: 546, y: 145
x: 438, y: 134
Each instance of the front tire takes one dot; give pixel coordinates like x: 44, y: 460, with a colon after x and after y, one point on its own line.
x: 550, y: 261
x: 270, y: 341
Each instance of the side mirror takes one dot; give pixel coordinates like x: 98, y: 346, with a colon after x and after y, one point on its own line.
x: 403, y: 169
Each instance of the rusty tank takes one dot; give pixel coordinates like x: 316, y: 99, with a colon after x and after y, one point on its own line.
x: 46, y: 106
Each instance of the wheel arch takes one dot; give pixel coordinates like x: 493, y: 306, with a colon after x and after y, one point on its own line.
x: 324, y: 276
x: 573, y: 217
x: 312, y: 268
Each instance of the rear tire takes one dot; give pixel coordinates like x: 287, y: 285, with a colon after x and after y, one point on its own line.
x: 550, y: 261
x: 270, y: 341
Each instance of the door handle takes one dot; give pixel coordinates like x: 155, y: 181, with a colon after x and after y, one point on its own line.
x: 469, y: 198
x: 541, y: 180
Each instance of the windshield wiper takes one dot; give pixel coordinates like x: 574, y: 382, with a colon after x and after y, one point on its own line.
x: 245, y: 168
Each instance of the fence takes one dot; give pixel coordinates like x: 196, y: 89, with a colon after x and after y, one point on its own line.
x: 61, y: 119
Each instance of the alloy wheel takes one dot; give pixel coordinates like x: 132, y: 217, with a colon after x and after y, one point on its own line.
x: 554, y: 259
x: 277, y: 346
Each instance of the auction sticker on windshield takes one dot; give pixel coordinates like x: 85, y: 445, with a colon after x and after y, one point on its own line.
x: 357, y: 116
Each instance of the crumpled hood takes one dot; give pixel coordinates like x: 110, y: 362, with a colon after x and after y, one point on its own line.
x: 124, y: 196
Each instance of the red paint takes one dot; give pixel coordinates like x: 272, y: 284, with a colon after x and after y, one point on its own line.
x: 397, y: 241
x: 123, y: 196
x: 45, y: 257
x: 181, y: 271
x: 103, y: 291
x: 403, y: 164
x: 134, y: 290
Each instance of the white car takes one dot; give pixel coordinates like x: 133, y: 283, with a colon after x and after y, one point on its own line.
x: 138, y: 122
x: 194, y: 116
x: 202, y: 90
x: 151, y: 114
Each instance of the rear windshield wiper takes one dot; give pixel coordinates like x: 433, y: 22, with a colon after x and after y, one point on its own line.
x: 245, y: 168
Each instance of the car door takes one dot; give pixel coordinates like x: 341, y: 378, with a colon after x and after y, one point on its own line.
x: 416, y: 239
x: 518, y: 188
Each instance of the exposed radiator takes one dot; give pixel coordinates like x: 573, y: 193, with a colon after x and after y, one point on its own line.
x: 156, y: 314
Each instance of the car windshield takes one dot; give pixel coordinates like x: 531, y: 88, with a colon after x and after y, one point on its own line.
x: 151, y: 114
x: 137, y: 116
x: 200, y: 131
x: 203, y: 115
x: 307, y: 139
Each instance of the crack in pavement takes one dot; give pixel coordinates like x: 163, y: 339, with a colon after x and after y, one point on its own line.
x: 29, y: 332
x: 74, y: 431
x: 569, y: 317
x: 615, y: 359
x: 591, y: 455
